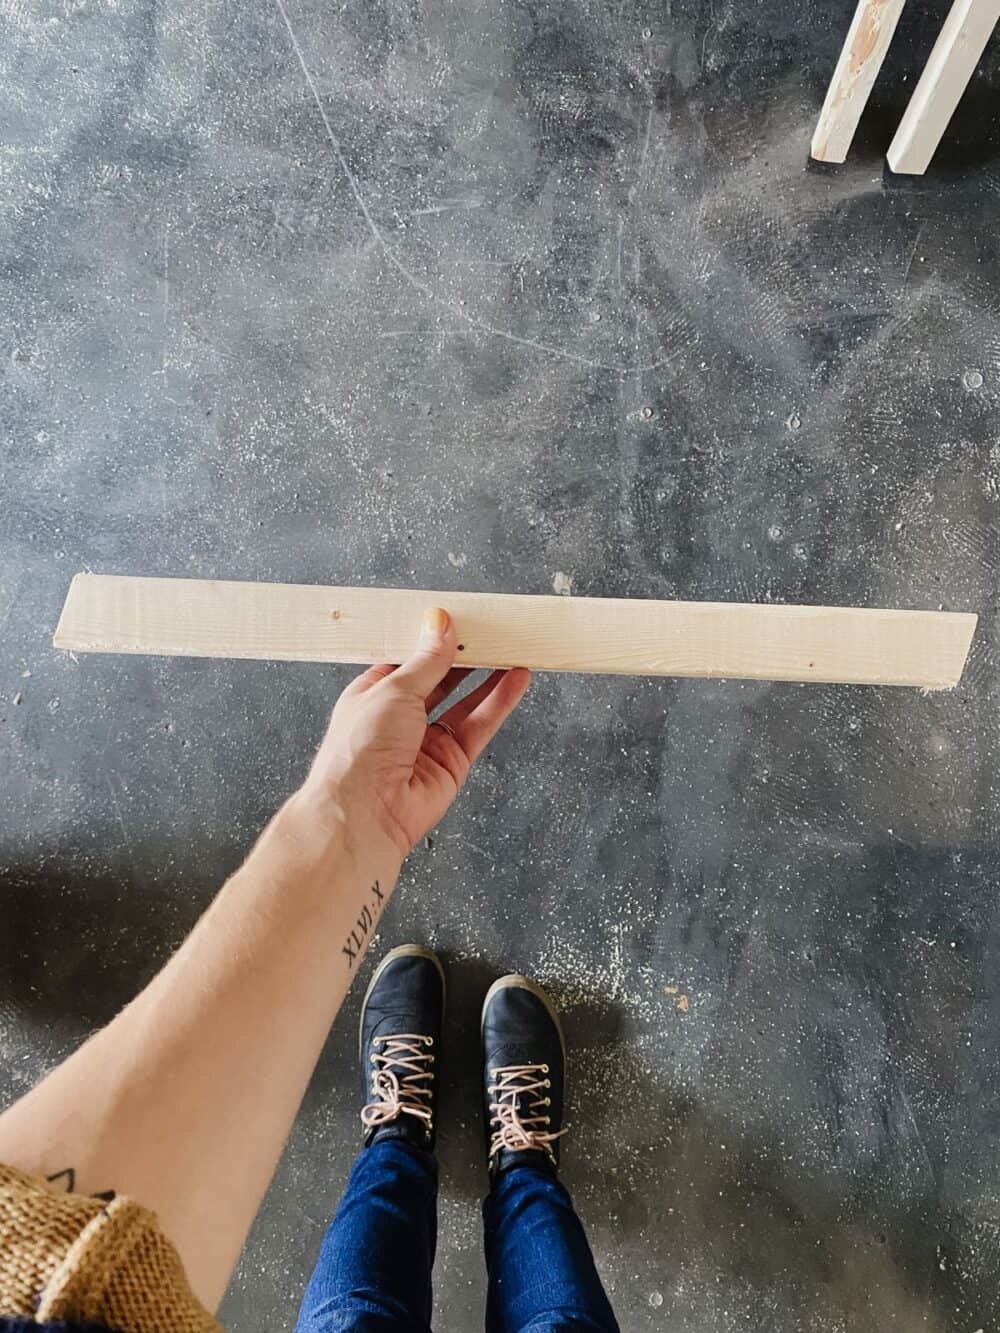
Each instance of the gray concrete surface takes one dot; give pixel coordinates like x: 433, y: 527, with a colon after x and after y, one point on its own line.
x: 552, y: 297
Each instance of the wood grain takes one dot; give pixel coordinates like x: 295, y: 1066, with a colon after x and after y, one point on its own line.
x: 306, y: 623
x: 860, y: 60
x: 949, y: 68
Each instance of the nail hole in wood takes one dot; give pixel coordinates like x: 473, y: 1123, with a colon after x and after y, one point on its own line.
x: 461, y: 647
x: 335, y: 615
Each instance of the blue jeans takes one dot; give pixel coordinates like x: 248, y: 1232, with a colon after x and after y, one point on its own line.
x: 374, y: 1269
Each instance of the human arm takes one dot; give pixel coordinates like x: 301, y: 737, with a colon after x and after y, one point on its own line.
x: 185, y: 1099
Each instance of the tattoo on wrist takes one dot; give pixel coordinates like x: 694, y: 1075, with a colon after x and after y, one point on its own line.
x: 363, y: 927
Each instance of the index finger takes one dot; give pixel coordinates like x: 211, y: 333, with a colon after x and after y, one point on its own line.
x: 495, y: 700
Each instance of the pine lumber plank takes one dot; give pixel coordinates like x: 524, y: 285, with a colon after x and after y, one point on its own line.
x: 949, y: 68
x: 308, y: 623
x: 861, y: 58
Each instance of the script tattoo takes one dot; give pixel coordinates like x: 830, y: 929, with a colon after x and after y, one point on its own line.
x: 365, y: 924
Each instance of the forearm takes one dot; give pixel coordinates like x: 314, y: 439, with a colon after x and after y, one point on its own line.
x: 184, y: 1101
x: 288, y: 930
x: 250, y: 997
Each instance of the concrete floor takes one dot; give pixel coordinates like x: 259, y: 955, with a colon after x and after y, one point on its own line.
x: 555, y: 298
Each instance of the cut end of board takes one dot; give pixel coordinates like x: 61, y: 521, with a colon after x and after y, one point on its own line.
x: 720, y: 640
x: 64, y: 633
x: 820, y: 151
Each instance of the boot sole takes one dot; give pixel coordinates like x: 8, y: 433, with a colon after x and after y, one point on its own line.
x: 401, y: 951
x: 525, y: 983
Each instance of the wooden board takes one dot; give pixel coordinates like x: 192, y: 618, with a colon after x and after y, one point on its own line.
x: 305, y: 623
x: 949, y: 68
x: 860, y: 60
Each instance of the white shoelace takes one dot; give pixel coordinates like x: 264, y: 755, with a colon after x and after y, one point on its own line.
x: 514, y: 1087
x: 401, y: 1080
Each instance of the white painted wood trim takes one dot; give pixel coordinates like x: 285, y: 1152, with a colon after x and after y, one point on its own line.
x: 946, y: 75
x: 860, y: 60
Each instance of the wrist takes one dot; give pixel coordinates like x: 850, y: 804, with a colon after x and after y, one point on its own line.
x: 315, y: 820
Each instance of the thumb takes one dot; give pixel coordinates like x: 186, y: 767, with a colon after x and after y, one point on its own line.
x: 428, y: 666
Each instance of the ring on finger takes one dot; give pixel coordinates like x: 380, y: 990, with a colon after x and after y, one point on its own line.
x: 444, y: 727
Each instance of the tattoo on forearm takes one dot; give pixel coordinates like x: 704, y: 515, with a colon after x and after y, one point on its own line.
x: 365, y: 924
x: 70, y: 1174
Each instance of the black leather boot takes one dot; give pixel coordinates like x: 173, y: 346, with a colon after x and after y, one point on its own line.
x: 401, y: 1019
x: 524, y: 1057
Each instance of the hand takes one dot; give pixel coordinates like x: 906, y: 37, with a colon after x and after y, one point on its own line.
x: 383, y: 765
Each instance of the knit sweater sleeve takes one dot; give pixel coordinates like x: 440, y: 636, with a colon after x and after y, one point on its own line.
x: 29, y: 1326
x: 68, y: 1260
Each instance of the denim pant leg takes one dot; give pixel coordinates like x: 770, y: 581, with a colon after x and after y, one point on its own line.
x: 542, y: 1277
x: 373, y: 1274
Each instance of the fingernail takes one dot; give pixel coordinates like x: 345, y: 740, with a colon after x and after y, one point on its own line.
x: 434, y: 627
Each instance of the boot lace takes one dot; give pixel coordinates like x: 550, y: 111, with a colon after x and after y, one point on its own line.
x: 519, y: 1112
x: 402, y: 1080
